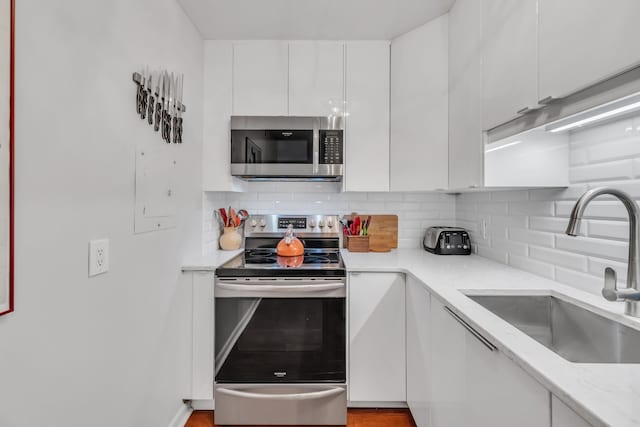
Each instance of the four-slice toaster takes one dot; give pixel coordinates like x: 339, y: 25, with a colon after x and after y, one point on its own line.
x: 442, y: 240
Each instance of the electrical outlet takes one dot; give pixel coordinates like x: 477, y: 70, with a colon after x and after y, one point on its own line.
x: 98, y: 257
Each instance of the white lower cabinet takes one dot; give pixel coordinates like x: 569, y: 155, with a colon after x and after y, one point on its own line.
x: 476, y: 384
x: 447, y: 365
x: 563, y: 416
x: 418, y: 349
x: 377, y: 337
x: 202, y: 355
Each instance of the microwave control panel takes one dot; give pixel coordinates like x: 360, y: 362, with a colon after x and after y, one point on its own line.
x: 331, y: 147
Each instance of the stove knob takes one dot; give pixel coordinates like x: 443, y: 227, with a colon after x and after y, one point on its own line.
x: 263, y: 223
x: 253, y: 223
x: 330, y: 223
x: 321, y: 224
x: 312, y: 223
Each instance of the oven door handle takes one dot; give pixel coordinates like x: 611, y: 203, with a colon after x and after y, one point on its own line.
x: 290, y: 396
x: 277, y: 288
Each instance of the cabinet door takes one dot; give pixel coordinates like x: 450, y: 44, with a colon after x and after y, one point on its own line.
x: 260, y: 78
x: 582, y: 42
x: 376, y: 337
x: 419, y: 108
x: 448, y: 372
x: 418, y: 337
x: 499, y: 393
x: 367, y: 123
x: 563, y: 416
x: 203, y: 337
x: 217, y: 106
x: 316, y: 78
x: 465, y: 95
x: 510, y: 74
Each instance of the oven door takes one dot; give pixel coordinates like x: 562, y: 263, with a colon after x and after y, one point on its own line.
x: 280, y: 331
x: 282, y: 153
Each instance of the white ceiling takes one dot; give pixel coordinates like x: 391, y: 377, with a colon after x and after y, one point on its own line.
x: 310, y: 19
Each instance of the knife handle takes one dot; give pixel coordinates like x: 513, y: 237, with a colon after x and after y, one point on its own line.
x: 158, y: 119
x: 139, y: 100
x: 167, y: 127
x: 152, y: 103
x: 180, y: 130
x: 143, y: 105
x: 175, y: 130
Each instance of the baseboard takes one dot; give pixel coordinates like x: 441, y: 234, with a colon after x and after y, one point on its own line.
x: 380, y: 405
x: 203, y: 405
x: 181, y: 417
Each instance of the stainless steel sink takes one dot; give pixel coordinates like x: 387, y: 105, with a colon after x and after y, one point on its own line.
x: 574, y: 333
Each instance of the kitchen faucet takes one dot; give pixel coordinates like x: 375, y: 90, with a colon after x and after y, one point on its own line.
x: 631, y: 295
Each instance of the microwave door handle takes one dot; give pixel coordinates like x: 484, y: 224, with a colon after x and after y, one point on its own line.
x: 289, y: 396
x: 277, y: 288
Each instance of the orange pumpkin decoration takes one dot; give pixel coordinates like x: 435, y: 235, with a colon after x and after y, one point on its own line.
x: 290, y: 246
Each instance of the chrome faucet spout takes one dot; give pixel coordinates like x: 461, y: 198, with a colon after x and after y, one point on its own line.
x: 610, y: 291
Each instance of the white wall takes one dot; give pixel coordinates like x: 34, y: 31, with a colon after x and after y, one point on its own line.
x: 525, y: 229
x: 416, y: 211
x: 105, y: 351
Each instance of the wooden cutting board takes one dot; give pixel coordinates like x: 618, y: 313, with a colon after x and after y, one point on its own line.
x: 383, y: 231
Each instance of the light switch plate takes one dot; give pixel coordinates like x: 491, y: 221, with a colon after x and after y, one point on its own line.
x: 98, y: 257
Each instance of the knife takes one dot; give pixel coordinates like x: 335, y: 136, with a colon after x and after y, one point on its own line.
x: 178, y: 129
x: 139, y: 93
x: 174, y: 108
x: 167, y: 108
x: 158, y: 113
x: 151, y: 101
x: 145, y: 92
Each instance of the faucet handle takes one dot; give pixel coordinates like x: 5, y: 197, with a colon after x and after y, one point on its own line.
x: 610, y: 290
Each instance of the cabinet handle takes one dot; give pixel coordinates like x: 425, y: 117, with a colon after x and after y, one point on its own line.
x: 525, y: 110
x: 547, y: 100
x: 473, y: 332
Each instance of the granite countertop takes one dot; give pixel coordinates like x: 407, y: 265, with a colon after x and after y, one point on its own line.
x: 604, y: 394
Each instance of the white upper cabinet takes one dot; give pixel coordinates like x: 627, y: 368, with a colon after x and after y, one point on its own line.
x: 419, y: 108
x: 367, y: 121
x: 510, y: 72
x: 465, y: 95
x: 217, y: 105
x: 260, y: 78
x: 582, y: 42
x: 316, y: 78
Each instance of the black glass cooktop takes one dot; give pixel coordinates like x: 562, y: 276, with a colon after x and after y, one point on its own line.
x: 262, y: 262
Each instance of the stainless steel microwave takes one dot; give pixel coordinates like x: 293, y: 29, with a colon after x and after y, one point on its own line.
x: 287, y: 148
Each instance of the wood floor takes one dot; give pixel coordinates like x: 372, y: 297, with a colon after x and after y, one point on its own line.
x: 355, y: 418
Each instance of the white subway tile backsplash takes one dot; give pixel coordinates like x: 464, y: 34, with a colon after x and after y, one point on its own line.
x: 539, y: 238
x: 615, y: 230
x: 582, y: 281
x: 622, y: 169
x: 607, y: 155
x: 540, y: 268
x: 557, y: 257
x: 540, y: 223
x: 599, y: 247
x: 416, y: 211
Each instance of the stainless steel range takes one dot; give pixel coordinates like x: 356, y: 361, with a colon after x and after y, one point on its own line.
x: 280, y: 327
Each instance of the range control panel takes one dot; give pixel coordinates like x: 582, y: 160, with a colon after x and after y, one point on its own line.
x: 298, y: 222
x: 331, y: 147
x: 309, y: 224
